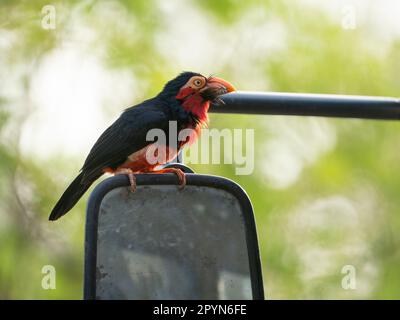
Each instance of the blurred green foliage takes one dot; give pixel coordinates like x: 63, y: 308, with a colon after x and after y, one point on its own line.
x: 343, y: 206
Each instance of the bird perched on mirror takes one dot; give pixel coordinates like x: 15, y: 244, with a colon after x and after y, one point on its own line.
x: 123, y: 147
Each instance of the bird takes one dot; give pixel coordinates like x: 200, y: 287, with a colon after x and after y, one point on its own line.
x: 123, y: 148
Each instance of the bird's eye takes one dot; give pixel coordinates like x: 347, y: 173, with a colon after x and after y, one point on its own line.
x: 198, y: 83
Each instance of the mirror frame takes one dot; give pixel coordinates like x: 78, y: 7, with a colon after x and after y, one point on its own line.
x: 118, y: 181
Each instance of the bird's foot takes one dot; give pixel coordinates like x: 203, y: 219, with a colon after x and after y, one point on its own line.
x: 131, y: 176
x: 179, y: 173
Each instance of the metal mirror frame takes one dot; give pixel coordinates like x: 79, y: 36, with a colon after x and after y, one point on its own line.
x: 221, y: 183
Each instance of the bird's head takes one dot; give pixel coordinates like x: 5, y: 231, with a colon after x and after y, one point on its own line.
x: 195, y: 92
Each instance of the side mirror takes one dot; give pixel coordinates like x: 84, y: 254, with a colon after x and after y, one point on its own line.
x: 163, y: 243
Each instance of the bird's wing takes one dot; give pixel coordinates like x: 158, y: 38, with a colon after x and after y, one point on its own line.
x: 124, y: 137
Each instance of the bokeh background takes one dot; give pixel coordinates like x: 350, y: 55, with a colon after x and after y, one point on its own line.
x: 325, y: 191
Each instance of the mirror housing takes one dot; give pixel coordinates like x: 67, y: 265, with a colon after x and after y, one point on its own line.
x: 162, y: 243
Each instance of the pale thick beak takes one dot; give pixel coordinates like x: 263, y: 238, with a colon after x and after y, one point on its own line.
x: 215, y: 82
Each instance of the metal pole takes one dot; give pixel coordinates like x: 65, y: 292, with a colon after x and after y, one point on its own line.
x: 321, y: 105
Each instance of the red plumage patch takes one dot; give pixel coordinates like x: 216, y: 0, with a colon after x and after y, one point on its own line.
x: 196, y: 105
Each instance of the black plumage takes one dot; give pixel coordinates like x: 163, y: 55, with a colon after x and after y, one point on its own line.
x: 126, y: 136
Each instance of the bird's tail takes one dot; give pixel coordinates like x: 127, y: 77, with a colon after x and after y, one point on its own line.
x: 70, y: 197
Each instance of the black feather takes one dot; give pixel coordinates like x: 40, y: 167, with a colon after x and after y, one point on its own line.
x: 173, y: 86
x: 126, y: 136
x: 70, y: 197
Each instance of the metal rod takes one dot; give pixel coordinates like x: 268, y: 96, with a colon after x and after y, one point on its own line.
x: 321, y: 105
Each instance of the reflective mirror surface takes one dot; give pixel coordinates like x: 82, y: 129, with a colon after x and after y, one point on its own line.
x: 188, y: 244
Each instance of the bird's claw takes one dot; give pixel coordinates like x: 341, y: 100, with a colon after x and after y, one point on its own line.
x: 179, y: 173
x: 132, y: 179
x: 182, y: 179
x: 131, y: 176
